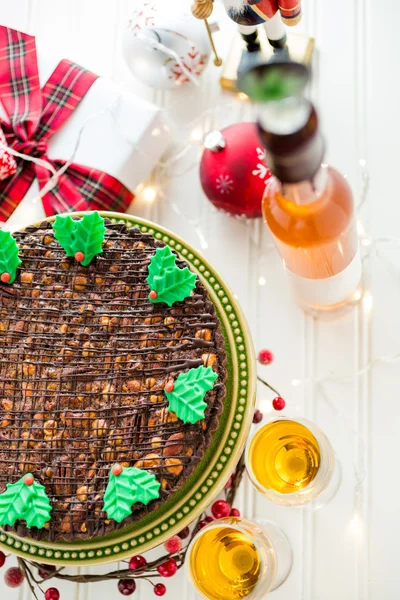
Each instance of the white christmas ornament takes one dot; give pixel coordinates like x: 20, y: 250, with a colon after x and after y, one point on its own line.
x: 165, y: 47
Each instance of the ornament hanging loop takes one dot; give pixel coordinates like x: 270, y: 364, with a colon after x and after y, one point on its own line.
x: 202, y: 9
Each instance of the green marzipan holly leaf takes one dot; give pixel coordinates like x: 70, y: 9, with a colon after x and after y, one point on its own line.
x: 89, y: 236
x: 85, y: 235
x: 26, y: 502
x: 9, y: 259
x: 64, y: 232
x: 187, y: 398
x: 162, y: 259
x: 171, y: 283
x: 133, y: 485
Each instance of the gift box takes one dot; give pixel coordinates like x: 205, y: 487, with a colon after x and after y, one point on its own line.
x: 121, y: 137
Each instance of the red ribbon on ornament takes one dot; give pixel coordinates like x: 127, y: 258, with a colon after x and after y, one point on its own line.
x: 34, y: 116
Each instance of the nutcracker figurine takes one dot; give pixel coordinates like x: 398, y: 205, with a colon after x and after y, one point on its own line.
x: 255, y: 43
x: 273, y: 14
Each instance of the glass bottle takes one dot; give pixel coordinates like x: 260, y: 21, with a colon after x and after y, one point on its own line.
x: 309, y: 209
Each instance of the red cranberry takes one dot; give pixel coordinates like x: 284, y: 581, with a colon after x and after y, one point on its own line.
x: 159, y: 589
x: 184, y: 534
x: 265, y: 357
x: 230, y: 481
x: 173, y: 545
x: 52, y: 594
x: 46, y: 571
x: 137, y: 562
x: 126, y: 587
x: 278, y: 403
x: 258, y: 416
x: 2, y: 558
x: 235, y: 512
x: 204, y: 522
x: 14, y: 577
x: 168, y: 569
x: 221, y: 509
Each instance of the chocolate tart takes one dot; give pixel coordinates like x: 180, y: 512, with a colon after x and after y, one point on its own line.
x: 84, y: 358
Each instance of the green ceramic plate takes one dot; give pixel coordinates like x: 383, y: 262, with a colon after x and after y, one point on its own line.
x: 212, y: 472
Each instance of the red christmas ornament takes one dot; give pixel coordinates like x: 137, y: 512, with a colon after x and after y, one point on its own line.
x: 126, y: 587
x: 235, y: 512
x: 5, y: 277
x: 2, y: 558
x: 173, y: 545
x: 278, y: 403
x: 29, y: 480
x: 153, y: 294
x: 159, y: 589
x: 14, y: 577
x: 137, y: 562
x: 233, y: 171
x: 168, y: 569
x: 79, y: 256
x: 52, y: 594
x: 221, y: 509
x: 265, y: 357
x: 8, y: 166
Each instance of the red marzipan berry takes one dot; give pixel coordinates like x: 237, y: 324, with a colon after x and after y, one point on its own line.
x: 235, y: 512
x: 153, y: 294
x: 13, y: 577
x: 168, y: 569
x: 5, y: 277
x: 137, y: 562
x: 184, y: 533
x: 278, y: 403
x: 29, y: 480
x: 52, y: 594
x: 173, y: 545
x: 117, y: 470
x: 2, y: 558
x: 46, y: 571
x: 79, y: 256
x: 126, y: 587
x: 159, y: 589
x: 265, y: 357
x: 258, y: 416
x: 169, y: 386
x: 221, y: 509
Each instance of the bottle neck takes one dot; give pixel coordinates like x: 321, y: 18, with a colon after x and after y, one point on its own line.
x: 307, y: 191
x: 293, y: 143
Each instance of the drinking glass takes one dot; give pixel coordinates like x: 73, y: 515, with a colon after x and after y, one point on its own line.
x: 235, y: 558
x: 292, y: 463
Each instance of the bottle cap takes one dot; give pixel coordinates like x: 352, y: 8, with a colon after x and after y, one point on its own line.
x: 214, y: 141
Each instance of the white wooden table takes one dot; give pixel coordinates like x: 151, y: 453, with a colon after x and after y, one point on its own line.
x: 348, y: 549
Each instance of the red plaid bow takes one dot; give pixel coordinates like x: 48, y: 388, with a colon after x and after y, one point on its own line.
x: 34, y: 116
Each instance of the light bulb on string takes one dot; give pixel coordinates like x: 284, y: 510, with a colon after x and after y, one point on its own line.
x: 149, y: 194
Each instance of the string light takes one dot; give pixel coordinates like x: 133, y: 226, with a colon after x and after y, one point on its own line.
x: 149, y: 194
x: 197, y: 135
x: 262, y: 281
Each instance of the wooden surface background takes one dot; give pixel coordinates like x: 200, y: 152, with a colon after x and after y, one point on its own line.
x: 348, y: 549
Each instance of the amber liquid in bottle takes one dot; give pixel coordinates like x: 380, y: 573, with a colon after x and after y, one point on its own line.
x: 315, y: 232
x: 284, y: 456
x: 225, y: 564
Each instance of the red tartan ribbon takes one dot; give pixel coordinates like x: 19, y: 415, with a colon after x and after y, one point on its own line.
x: 34, y: 116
